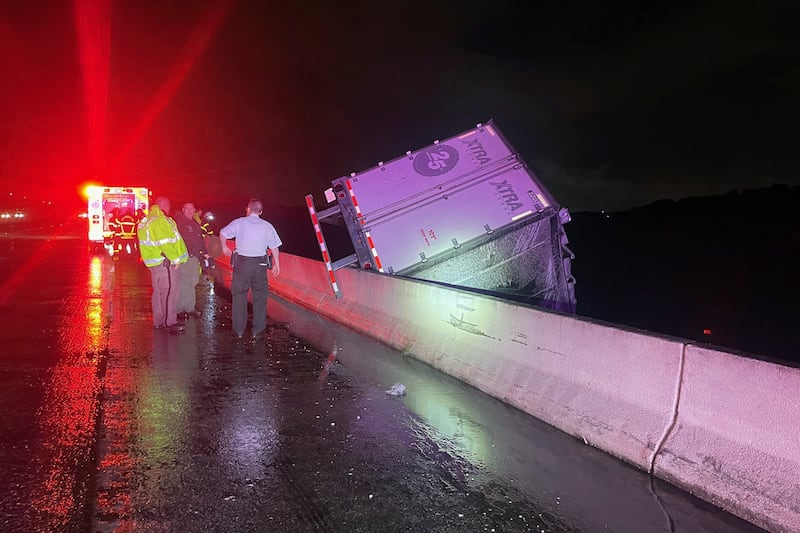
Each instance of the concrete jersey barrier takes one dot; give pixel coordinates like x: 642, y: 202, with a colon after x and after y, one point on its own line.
x: 718, y: 425
x: 736, y: 440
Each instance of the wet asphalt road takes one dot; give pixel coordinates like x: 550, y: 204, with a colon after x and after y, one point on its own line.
x: 108, y: 425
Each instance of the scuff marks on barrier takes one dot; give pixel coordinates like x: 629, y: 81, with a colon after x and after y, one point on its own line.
x: 541, y: 349
x: 465, y: 307
x: 469, y: 327
x: 465, y: 303
x: 519, y: 337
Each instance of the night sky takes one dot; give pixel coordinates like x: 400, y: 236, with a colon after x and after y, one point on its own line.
x: 614, y: 104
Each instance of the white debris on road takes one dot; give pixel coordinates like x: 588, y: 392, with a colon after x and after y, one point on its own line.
x: 398, y: 389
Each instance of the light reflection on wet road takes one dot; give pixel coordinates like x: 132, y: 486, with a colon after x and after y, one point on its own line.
x: 110, y: 425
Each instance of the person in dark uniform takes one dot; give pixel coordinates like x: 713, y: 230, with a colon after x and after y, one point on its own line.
x: 189, y: 275
x: 255, y: 239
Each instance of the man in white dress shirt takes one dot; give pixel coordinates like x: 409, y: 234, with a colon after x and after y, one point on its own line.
x: 256, y: 240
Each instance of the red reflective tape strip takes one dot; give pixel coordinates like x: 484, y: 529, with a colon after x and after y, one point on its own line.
x: 322, y: 246
x: 374, y: 251
x: 353, y: 196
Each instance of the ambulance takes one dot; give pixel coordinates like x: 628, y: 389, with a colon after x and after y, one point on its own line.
x: 107, y: 202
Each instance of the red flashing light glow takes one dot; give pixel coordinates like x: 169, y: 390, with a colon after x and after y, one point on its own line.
x: 706, y: 331
x: 87, y: 189
x: 205, y: 29
x: 93, y: 28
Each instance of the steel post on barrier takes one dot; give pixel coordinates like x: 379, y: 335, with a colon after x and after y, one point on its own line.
x: 323, y: 247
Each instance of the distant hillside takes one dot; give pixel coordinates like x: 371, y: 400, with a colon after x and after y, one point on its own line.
x: 727, y: 264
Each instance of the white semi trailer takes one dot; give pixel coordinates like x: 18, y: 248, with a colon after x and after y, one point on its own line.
x: 465, y: 211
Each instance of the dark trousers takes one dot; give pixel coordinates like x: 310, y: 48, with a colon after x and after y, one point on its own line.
x: 249, y: 273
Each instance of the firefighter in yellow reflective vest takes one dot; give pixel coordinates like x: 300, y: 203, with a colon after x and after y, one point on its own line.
x: 207, y: 262
x: 113, y: 228
x: 125, y: 235
x: 163, y: 250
